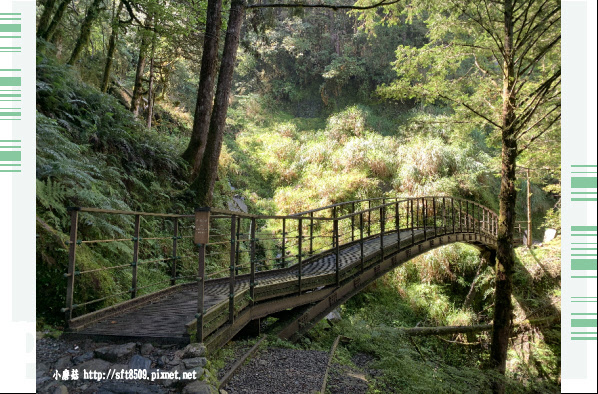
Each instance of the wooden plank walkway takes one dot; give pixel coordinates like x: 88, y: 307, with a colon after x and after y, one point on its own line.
x: 165, y: 318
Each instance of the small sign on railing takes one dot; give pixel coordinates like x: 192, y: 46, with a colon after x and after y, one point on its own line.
x: 202, y: 226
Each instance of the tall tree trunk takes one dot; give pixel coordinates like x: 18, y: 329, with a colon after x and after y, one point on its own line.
x: 111, y: 48
x: 150, y: 88
x: 208, y: 170
x: 136, y: 99
x: 83, y: 40
x: 45, y: 19
x: 205, y: 92
x: 51, y: 30
x: 505, y: 257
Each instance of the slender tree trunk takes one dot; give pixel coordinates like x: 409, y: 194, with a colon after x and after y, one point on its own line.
x: 208, y: 170
x: 45, y: 19
x: 205, y: 92
x: 136, y: 99
x: 503, y: 309
x: 487, y: 257
x: 150, y: 93
x: 111, y: 48
x: 83, y: 40
x: 51, y: 30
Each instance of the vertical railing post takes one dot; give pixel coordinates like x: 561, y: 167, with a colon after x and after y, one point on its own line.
x: 231, y: 281
x: 201, y: 271
x: 175, y: 256
x: 201, y: 239
x: 361, y: 240
x: 453, y: 213
x: 460, y: 216
x: 135, y: 256
x: 284, y: 237
x: 334, y: 238
x: 369, y: 217
x: 299, y: 248
x: 382, y: 217
x: 352, y: 222
x: 398, y: 223
x: 425, y: 217
x: 435, y: 216
x: 443, y: 215
x: 337, y: 253
x: 417, y: 213
x: 238, y: 244
x: 466, y: 216
x: 252, y: 261
x: 484, y: 226
x: 333, y: 243
x: 70, y: 278
x: 412, y: 225
x: 311, y: 233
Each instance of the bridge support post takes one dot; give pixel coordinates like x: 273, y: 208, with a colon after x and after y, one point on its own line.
x: 70, y: 280
x: 135, y: 256
x: 252, y: 262
x: 231, y: 282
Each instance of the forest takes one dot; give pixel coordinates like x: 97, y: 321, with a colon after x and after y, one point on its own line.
x: 277, y: 107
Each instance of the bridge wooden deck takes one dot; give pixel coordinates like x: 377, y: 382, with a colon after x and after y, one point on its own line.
x: 171, y: 315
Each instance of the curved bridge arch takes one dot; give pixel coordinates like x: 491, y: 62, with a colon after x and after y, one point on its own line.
x: 323, y: 257
x: 342, y: 294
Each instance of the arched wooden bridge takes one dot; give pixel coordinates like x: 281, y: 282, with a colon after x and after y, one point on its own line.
x: 316, y: 259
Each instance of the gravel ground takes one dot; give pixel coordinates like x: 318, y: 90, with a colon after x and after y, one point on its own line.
x: 280, y: 371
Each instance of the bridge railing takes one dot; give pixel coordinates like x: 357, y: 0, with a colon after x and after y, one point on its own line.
x: 115, y: 255
x: 152, y: 253
x: 288, y: 244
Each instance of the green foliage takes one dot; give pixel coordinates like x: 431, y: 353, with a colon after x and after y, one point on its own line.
x: 89, y: 153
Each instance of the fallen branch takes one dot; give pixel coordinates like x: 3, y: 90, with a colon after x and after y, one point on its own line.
x: 447, y: 330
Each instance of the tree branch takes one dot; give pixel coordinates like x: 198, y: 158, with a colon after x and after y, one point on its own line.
x: 540, y: 134
x: 521, y: 134
x: 334, y: 7
x: 131, y: 13
x: 472, y: 110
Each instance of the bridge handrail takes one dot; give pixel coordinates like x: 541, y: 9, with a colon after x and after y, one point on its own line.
x: 282, y: 248
x: 390, y: 204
